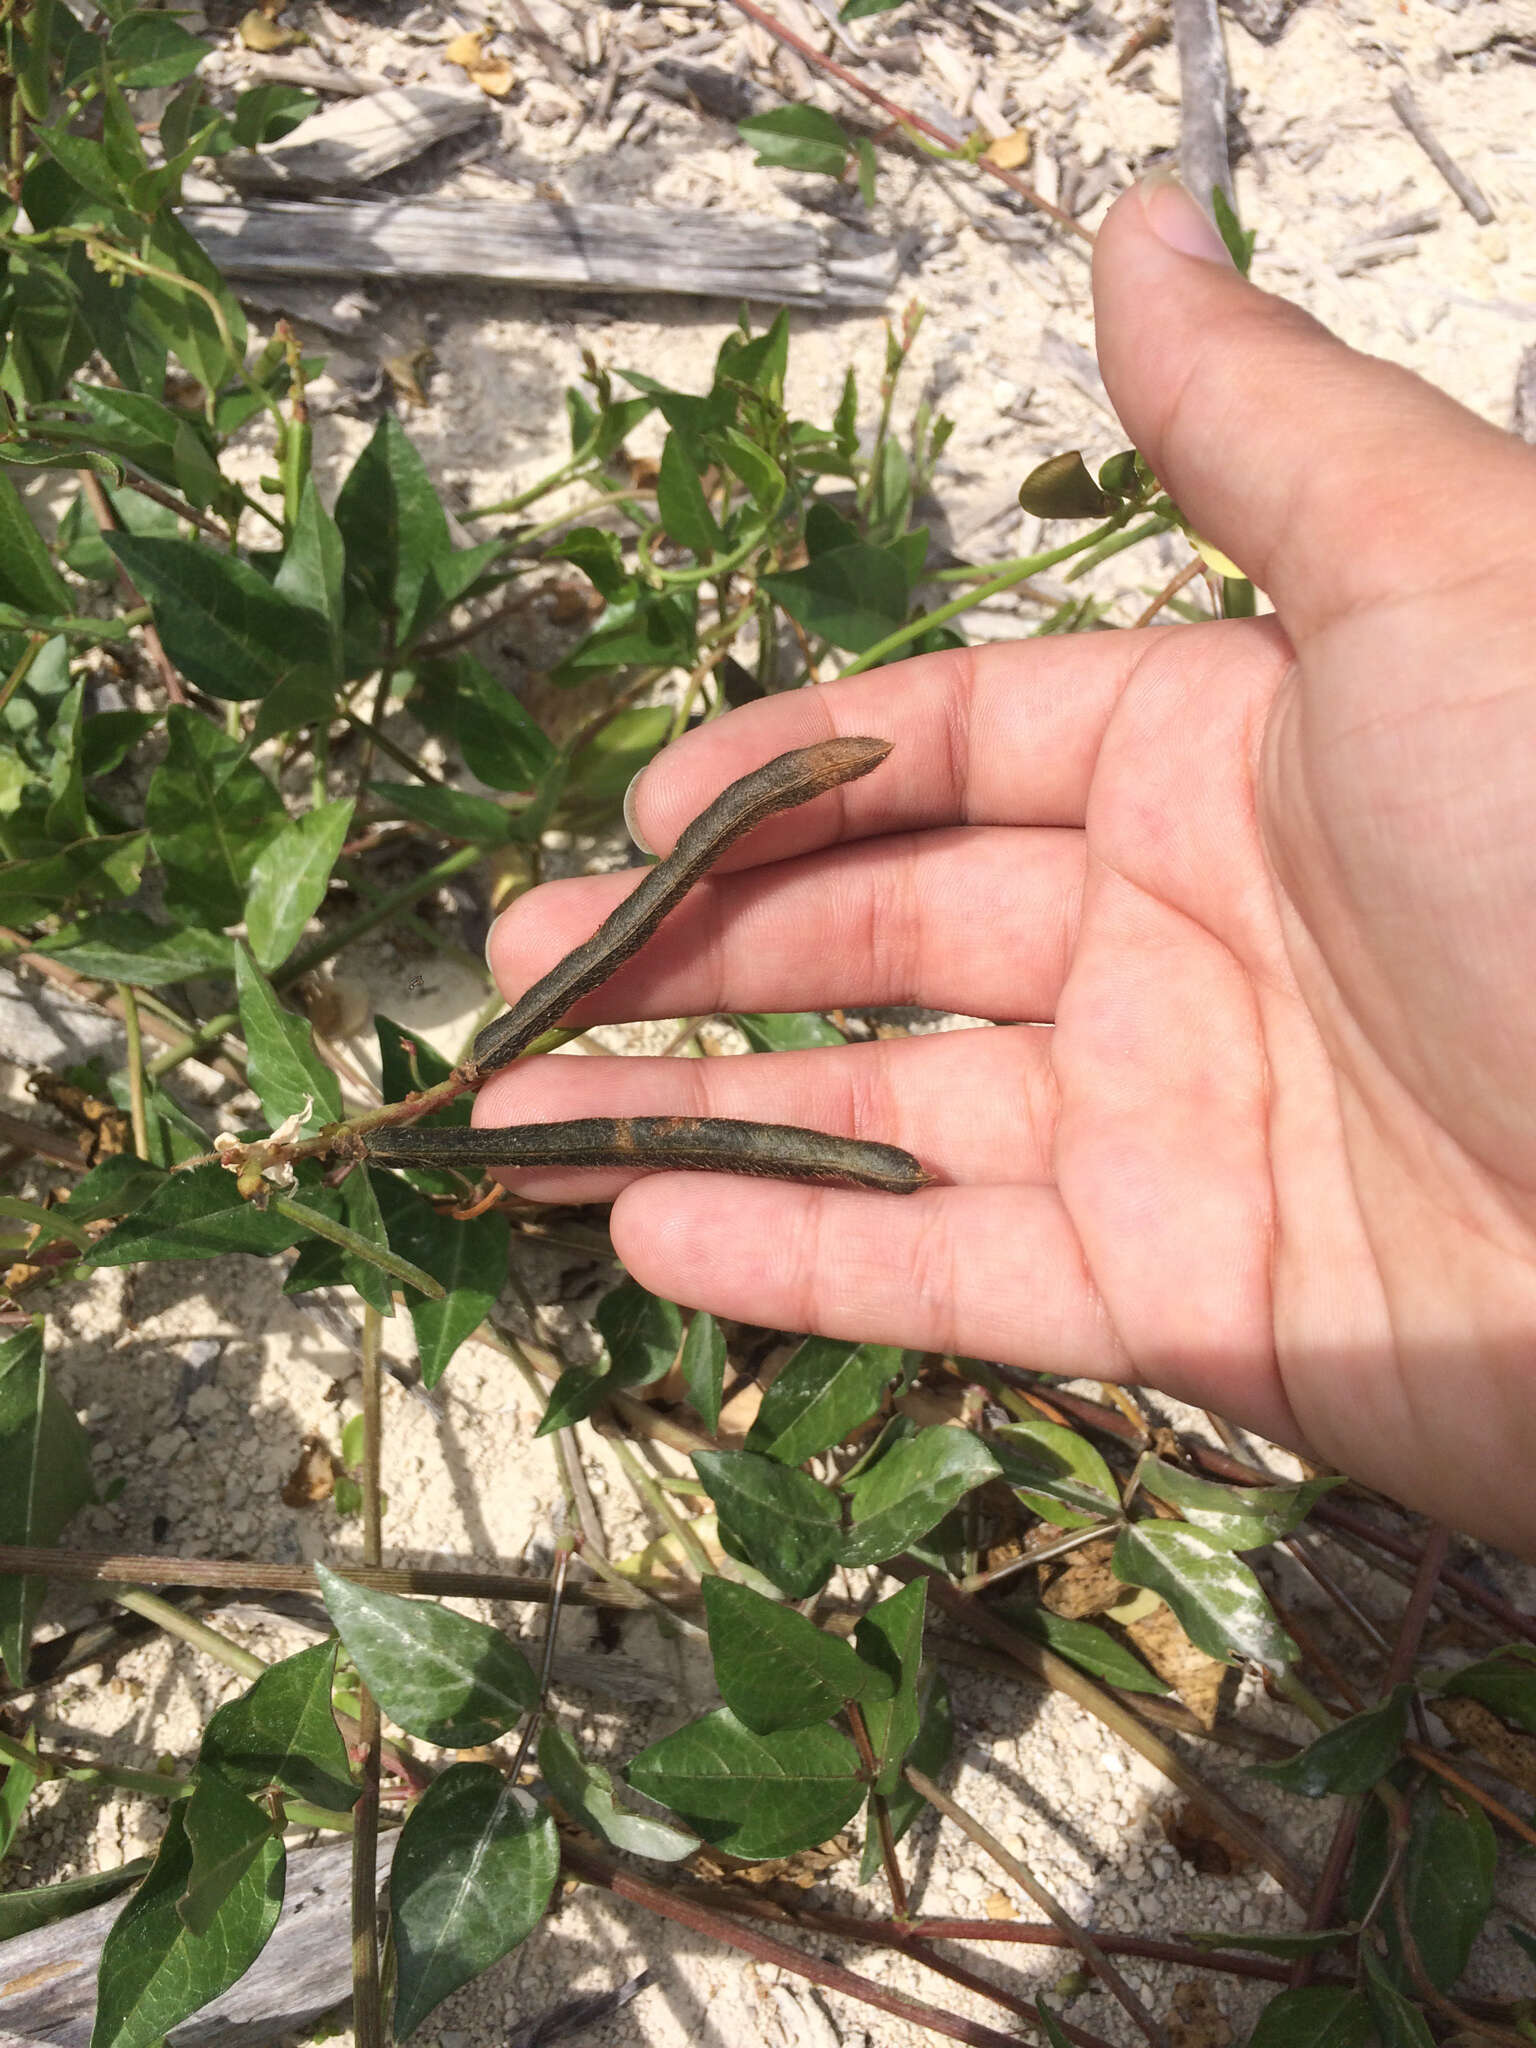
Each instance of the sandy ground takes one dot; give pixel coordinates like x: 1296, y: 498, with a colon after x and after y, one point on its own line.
x: 199, y: 1388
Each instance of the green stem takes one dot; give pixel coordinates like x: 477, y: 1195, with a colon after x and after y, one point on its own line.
x: 578, y: 513
x: 18, y: 674
x: 367, y: 2002
x: 33, y: 1212
x: 1304, y: 1699
x: 197, y: 1633
x: 566, y: 473
x: 1117, y: 543
x: 375, y: 1254
x: 1010, y: 574
x: 645, y: 1486
x: 127, y: 996
x: 49, y: 1768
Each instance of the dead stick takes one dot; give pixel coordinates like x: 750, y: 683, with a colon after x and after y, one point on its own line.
x: 853, y: 83
x: 1203, y: 87
x: 1411, y: 114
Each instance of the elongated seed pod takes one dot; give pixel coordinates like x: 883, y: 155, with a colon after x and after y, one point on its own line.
x: 713, y: 1144
x: 780, y: 785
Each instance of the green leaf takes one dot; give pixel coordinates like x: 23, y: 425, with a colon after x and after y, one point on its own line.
x: 21, y: 1912
x: 1504, y: 1682
x: 33, y: 889
x: 1061, y: 488
x: 472, y: 1877
x: 147, y: 49
x: 1445, y: 1880
x: 223, y: 623
x: 1350, y: 1758
x: 827, y: 1390
x: 469, y: 1260
x: 646, y: 630
x: 790, y: 1031
x: 440, y: 1675
x: 289, y: 879
x: 797, y: 138
x: 777, y: 1670
x: 1320, y: 2016
x: 281, y: 1731
x: 506, y: 746
x: 852, y: 597
x: 284, y: 1068
x: 392, y: 522
x: 269, y: 112
x: 28, y: 578
x: 312, y: 571
x: 45, y: 1476
x: 124, y: 945
x: 702, y: 1366
x: 228, y: 1837
x: 585, y: 1790
x: 155, y: 1972
x: 210, y: 811
x: 1399, y: 2023
x: 753, y: 1795
x: 913, y: 1486
x: 1090, y: 1648
x: 1238, y: 239
x: 681, y: 502
x: 1056, y: 1473
x: 643, y: 1334
x: 929, y: 1754
x: 859, y: 10
x: 783, y: 1523
x: 597, y: 554
x: 1219, y: 1603
x: 16, y: 1789
x: 454, y: 813
x: 198, y: 1214
x: 889, y: 1636
x: 756, y: 468
x: 1241, y: 1517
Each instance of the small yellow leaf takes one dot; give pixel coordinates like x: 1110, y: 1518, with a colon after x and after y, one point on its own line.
x: 465, y: 50
x: 1136, y: 1606
x: 1210, y: 554
x: 258, y: 31
x: 1010, y: 152
x: 495, y: 76
x: 998, y: 1906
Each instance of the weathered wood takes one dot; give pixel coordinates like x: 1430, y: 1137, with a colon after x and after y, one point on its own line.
x: 1416, y: 121
x: 594, y: 248
x: 358, y: 140
x: 48, y: 1978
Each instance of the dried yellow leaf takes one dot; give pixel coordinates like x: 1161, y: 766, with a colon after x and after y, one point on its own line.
x: 1010, y: 152
x: 998, y: 1906
x: 495, y: 76
x: 465, y: 50
x: 259, y: 32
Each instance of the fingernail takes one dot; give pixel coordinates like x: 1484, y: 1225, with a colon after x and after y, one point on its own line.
x: 1179, y: 221
x: 629, y: 815
x: 490, y: 940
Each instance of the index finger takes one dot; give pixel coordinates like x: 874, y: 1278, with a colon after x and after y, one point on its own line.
x: 1001, y: 734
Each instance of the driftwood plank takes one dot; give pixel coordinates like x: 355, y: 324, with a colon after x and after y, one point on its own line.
x: 359, y: 140
x: 48, y: 1978
x: 597, y: 248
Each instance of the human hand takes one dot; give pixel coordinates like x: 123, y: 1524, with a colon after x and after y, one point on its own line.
x: 1271, y: 883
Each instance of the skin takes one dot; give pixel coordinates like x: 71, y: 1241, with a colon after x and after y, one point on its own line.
x: 1258, y: 900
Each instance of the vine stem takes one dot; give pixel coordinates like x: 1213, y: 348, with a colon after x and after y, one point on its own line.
x: 1079, y: 1937
x: 48, y: 1765
x: 367, y: 2002
x: 881, y: 1812
x: 190, y: 1630
x: 130, y: 1002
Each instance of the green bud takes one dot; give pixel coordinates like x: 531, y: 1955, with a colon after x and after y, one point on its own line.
x: 1119, y: 475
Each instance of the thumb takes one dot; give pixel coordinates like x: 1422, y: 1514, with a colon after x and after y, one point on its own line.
x: 1334, y: 480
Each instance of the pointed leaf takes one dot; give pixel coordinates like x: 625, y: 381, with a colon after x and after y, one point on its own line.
x: 198, y: 1214
x: 312, y: 569
x: 791, y: 1031
x: 643, y: 1334
x: 753, y: 1795
x: 392, y: 522
x: 1350, y: 1758
x: 1241, y: 1517
x: 1504, y: 1682
x: 224, y: 625
x: 155, y: 1972
x: 585, y: 1790
x: 912, y: 1487
x: 1220, y: 1605
x: 1445, y: 1882
x: 21, y: 1912
x: 797, y: 138
x: 929, y: 1754
x: 1090, y: 1648
x: 437, y: 1674
x: 702, y: 1366
x: 681, y: 502
x: 1056, y: 1472
x: 289, y: 878
x: 824, y: 1392
x: 281, y: 1731
x: 777, y: 1670
x: 472, y: 1877
x: 1399, y: 2023
x: 783, y: 1523
x: 852, y: 597
x: 506, y: 746
x: 468, y: 1260
x: 209, y: 811
x: 228, y: 1836
x: 45, y: 1476
x: 889, y: 1636
x: 124, y: 945
x: 16, y: 1789
x: 284, y: 1067
x: 453, y: 813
